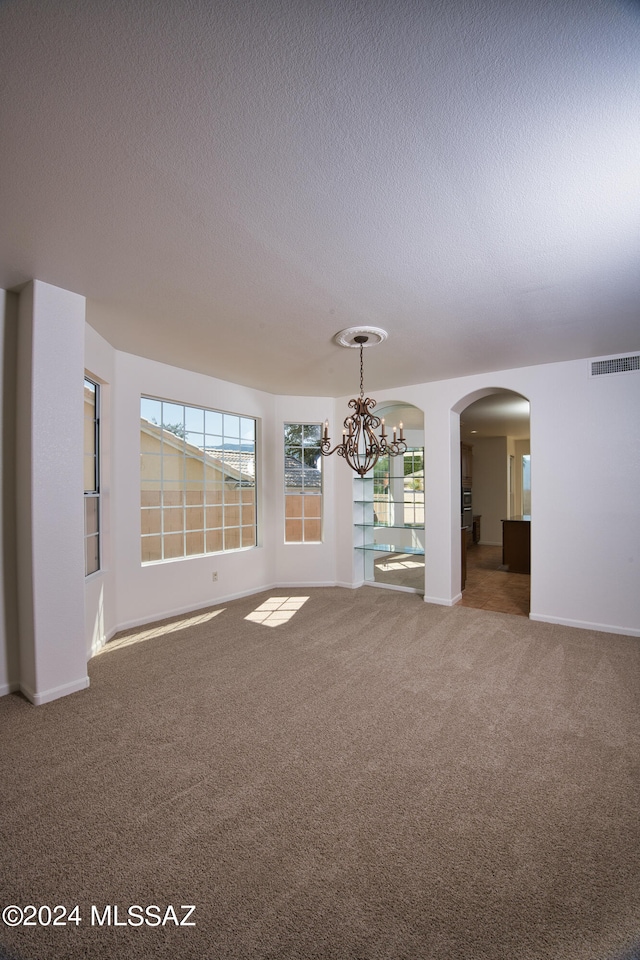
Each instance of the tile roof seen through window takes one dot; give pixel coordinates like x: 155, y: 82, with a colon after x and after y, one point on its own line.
x: 296, y: 474
x: 244, y: 461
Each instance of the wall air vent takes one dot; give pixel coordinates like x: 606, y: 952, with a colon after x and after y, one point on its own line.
x: 606, y: 366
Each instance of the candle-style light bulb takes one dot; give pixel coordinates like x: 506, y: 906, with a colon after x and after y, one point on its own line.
x: 394, y: 434
x: 401, y: 431
x: 326, y: 430
x: 383, y: 434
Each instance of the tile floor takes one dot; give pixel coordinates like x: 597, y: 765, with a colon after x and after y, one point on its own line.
x: 489, y: 588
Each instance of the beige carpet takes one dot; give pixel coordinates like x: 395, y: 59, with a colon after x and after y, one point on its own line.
x: 356, y: 776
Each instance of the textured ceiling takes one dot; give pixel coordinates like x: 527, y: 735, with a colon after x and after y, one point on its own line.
x: 501, y: 414
x: 230, y: 183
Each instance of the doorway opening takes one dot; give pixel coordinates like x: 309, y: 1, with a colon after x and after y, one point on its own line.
x: 496, y: 491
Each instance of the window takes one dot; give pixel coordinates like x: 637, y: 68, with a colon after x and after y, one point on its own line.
x: 302, y: 483
x: 197, y: 481
x: 91, y: 477
x: 382, y: 495
x: 414, y: 487
x: 398, y: 489
x: 526, y: 485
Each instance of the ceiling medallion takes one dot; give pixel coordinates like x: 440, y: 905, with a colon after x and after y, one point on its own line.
x: 360, y: 445
x: 360, y: 337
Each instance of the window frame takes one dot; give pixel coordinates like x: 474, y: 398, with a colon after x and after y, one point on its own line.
x: 192, y: 514
x: 393, y: 500
x: 311, y: 520
x: 93, y: 495
x: 413, y: 499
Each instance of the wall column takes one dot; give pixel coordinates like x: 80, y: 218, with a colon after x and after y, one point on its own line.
x: 49, y: 500
x: 441, y: 505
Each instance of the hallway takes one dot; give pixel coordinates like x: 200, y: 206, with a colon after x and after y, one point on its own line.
x: 490, y: 588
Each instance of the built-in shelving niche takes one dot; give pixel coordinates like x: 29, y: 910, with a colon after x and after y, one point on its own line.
x: 388, y: 512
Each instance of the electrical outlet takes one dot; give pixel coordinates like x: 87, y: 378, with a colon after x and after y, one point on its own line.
x: 214, y: 575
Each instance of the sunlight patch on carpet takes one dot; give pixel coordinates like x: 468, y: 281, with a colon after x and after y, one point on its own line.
x: 276, y: 610
x: 160, y: 630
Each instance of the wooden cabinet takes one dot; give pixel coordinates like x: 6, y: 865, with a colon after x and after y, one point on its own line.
x: 476, y: 528
x: 516, y: 545
x: 463, y: 558
x: 466, y: 464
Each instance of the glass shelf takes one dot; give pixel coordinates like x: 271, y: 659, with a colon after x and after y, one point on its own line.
x: 392, y: 526
x: 390, y: 548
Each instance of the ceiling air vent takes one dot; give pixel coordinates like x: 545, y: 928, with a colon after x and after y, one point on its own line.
x: 606, y: 366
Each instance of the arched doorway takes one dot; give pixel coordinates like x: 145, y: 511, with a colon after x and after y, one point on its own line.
x: 495, y: 501
x: 392, y: 508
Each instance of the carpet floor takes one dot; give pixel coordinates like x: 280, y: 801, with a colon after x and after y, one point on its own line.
x: 332, y: 775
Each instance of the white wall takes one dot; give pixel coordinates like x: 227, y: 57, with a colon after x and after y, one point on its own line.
x: 9, y: 652
x: 157, y: 590
x: 306, y: 564
x: 585, y: 456
x: 49, y: 500
x: 491, y: 486
x: 585, y: 528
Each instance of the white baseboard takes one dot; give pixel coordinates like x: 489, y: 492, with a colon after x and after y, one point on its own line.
x: 584, y: 625
x: 7, y: 688
x: 443, y: 601
x: 302, y: 586
x: 217, y: 601
x: 96, y: 648
x: 190, y: 608
x: 46, y: 696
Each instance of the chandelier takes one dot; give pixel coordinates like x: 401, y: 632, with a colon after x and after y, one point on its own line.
x: 361, y: 447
